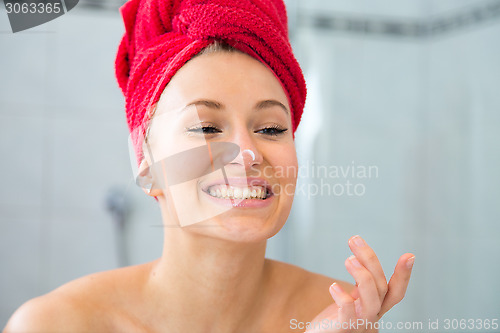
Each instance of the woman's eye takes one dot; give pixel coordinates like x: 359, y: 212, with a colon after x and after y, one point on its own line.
x: 204, y: 130
x: 273, y: 130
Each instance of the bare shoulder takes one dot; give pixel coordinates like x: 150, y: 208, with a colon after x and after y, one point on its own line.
x: 78, y: 305
x: 307, y: 288
x: 306, y: 279
x: 52, y: 312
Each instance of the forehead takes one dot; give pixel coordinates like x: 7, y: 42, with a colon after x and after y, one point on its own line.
x: 231, y: 77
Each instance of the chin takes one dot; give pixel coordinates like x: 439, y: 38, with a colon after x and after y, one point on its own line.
x: 237, y: 228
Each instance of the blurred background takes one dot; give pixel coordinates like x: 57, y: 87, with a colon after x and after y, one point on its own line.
x: 409, y: 88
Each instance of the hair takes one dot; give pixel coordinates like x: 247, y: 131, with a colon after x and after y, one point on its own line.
x: 216, y: 47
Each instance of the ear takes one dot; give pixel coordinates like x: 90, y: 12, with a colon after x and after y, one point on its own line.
x: 147, y: 181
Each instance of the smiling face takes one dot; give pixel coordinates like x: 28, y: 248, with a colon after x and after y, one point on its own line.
x: 224, y: 109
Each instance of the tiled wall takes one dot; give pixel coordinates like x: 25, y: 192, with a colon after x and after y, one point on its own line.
x: 424, y: 111
x: 63, y: 144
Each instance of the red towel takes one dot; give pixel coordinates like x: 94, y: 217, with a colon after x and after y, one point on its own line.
x: 162, y: 35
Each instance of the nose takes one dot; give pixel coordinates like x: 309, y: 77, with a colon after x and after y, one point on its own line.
x: 249, y: 156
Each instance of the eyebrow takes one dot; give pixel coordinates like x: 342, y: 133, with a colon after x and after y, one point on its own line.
x: 268, y: 103
x: 208, y: 103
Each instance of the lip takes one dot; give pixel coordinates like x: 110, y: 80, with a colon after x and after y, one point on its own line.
x: 241, y: 203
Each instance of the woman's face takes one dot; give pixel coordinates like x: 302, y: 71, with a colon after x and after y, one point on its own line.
x: 234, y: 105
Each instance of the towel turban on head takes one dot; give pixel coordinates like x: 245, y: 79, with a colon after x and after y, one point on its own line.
x: 162, y: 35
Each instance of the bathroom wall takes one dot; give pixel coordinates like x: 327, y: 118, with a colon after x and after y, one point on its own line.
x: 417, y: 97
x: 419, y: 105
x: 63, y: 144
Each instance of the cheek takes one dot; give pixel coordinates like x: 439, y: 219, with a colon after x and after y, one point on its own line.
x: 285, y: 169
x: 172, y: 142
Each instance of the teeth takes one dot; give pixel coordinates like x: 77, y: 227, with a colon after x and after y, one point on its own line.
x: 225, y: 192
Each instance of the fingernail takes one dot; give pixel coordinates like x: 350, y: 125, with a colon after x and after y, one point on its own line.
x: 336, y: 288
x: 409, y: 262
x: 358, y: 241
x: 354, y: 261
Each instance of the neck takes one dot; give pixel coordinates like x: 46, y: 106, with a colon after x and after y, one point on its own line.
x: 209, y: 282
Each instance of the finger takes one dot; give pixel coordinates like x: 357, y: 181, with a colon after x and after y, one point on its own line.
x: 367, y: 289
x: 368, y: 258
x: 355, y: 292
x: 346, y: 311
x: 398, y: 282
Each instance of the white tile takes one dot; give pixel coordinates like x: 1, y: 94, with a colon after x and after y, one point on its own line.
x: 89, y: 157
x: 78, y: 243
x: 82, y: 64
x: 21, y: 262
x: 410, y: 9
x: 23, y: 73
x: 446, y: 6
x: 145, y: 237
x: 22, y: 149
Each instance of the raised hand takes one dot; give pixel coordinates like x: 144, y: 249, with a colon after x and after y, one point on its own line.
x: 372, y: 297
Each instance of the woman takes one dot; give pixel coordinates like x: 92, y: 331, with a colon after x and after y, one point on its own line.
x: 214, y: 86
